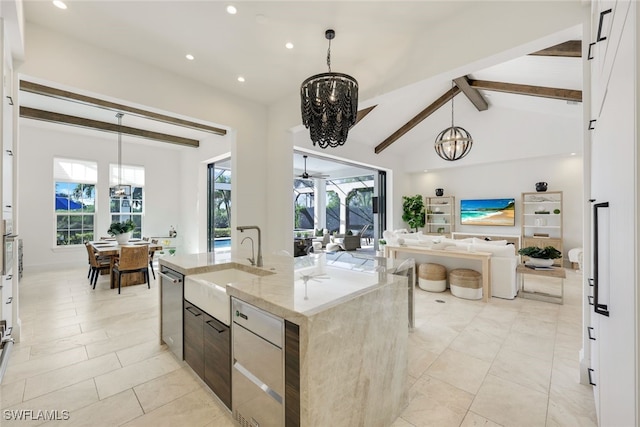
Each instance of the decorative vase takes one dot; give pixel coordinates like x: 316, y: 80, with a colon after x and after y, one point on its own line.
x: 123, y: 238
x: 541, y: 187
x: 540, y: 262
x: 439, y: 192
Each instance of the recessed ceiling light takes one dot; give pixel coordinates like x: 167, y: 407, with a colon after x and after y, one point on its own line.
x: 573, y: 154
x: 241, y: 79
x: 231, y: 10
x: 59, y: 4
x: 190, y: 57
x: 426, y: 170
x: 289, y: 45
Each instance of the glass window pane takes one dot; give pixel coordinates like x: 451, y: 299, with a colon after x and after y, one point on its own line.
x: 61, y: 238
x: 137, y: 193
x: 62, y: 222
x: 88, y: 197
x: 87, y: 222
x: 75, y: 238
x: 75, y: 222
x: 75, y: 208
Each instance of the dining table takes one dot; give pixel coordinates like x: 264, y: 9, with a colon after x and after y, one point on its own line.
x: 109, y: 248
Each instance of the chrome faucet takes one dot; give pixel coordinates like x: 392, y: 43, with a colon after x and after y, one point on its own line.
x: 252, y: 260
x: 241, y: 228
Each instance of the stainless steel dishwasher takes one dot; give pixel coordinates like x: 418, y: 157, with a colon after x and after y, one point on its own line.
x: 171, y: 294
x: 258, y: 366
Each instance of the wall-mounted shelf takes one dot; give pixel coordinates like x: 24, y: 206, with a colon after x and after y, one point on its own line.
x: 542, y: 229
x: 440, y: 215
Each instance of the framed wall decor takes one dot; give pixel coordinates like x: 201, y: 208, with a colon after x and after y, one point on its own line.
x: 488, y: 212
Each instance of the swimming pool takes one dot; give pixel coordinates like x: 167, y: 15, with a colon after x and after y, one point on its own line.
x: 222, y: 242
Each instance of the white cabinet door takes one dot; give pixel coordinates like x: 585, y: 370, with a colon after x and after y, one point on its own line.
x: 613, y: 170
x: 608, y: 19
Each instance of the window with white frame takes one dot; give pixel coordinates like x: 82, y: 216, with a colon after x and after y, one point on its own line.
x: 131, y: 206
x: 74, y: 200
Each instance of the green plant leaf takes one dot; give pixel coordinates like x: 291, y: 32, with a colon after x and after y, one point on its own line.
x: 548, y: 252
x: 121, y: 227
x: 413, y: 211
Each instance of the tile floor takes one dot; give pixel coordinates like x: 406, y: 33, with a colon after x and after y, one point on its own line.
x: 96, y: 354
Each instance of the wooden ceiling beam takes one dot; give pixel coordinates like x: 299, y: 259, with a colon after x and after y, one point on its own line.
x: 418, y: 118
x: 48, y: 116
x: 101, y: 103
x: 363, y: 113
x: 569, y: 49
x: 545, y: 92
x: 474, y: 95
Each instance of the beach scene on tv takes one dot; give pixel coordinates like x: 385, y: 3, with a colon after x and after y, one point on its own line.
x: 487, y: 212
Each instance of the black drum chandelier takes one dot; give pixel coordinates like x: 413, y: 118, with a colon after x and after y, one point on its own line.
x: 454, y: 142
x: 329, y: 104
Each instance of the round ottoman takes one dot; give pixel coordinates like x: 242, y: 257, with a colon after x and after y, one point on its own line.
x: 432, y: 277
x: 465, y: 283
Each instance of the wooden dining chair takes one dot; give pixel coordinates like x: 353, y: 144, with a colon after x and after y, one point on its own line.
x: 97, y: 264
x: 132, y: 259
x: 151, y: 254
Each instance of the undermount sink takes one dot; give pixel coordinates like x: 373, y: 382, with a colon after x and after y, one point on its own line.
x: 208, y: 290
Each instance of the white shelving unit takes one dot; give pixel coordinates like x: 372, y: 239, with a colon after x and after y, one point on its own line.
x: 541, y: 219
x: 440, y: 217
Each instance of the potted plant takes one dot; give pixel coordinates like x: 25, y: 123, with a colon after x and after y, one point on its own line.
x: 542, y: 257
x: 122, y: 231
x: 413, y: 211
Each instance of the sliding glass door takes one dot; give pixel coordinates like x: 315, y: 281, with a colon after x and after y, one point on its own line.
x: 219, y: 206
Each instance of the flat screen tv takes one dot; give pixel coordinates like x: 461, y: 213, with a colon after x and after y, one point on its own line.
x: 487, y: 212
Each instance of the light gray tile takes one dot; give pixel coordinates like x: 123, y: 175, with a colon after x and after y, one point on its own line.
x: 113, y: 411
x: 195, y: 408
x: 68, y: 375
x: 460, y: 370
x: 448, y: 341
x: 39, y: 366
x: 133, y: 375
x: 121, y: 342
x: 164, y: 389
x: 523, y: 369
x: 67, y: 399
x: 510, y: 404
x: 475, y: 420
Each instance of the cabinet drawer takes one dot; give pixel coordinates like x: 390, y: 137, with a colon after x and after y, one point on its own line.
x: 194, y: 338
x: 217, y: 358
x: 260, y: 357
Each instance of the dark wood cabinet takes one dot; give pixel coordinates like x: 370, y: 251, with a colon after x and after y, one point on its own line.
x: 217, y: 358
x: 207, y: 349
x: 193, y: 338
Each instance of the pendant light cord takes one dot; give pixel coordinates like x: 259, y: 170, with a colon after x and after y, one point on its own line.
x: 452, y: 96
x: 119, y: 116
x: 329, y: 56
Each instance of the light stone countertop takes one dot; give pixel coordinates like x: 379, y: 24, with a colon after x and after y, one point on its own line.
x: 349, y: 307
x: 283, y: 290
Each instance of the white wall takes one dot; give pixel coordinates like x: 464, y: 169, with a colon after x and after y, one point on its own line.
x: 511, y: 179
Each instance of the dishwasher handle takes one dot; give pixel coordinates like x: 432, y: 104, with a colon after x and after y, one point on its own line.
x: 170, y: 278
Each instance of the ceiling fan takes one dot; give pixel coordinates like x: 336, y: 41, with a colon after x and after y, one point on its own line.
x: 306, y: 175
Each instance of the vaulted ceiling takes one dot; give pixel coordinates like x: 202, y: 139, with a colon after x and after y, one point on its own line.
x: 373, y: 41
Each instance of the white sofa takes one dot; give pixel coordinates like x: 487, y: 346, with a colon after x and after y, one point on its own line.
x: 504, y: 258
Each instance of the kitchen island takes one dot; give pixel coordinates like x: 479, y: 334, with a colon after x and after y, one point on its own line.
x: 345, y: 334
